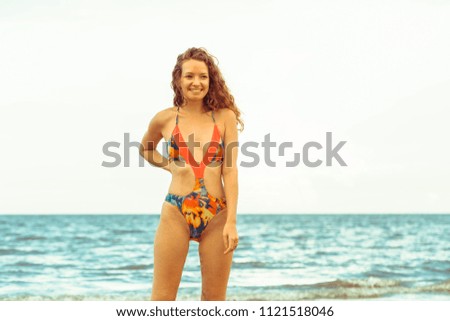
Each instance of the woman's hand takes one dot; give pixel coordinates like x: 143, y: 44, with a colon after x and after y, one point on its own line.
x: 230, y: 237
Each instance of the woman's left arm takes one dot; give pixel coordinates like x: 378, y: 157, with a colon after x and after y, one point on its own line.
x: 230, y: 179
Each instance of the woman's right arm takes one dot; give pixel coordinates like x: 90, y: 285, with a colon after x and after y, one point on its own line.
x: 151, y: 139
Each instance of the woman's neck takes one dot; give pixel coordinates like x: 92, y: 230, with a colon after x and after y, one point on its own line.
x: 194, y: 107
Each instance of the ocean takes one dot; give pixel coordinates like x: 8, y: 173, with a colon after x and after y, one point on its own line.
x: 280, y: 257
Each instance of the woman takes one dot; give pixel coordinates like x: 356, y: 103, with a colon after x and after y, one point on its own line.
x: 198, y: 206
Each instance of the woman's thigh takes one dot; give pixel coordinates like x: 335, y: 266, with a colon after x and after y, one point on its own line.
x: 170, y: 249
x: 215, y: 265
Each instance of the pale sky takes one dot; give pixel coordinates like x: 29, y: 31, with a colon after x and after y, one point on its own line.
x: 75, y: 75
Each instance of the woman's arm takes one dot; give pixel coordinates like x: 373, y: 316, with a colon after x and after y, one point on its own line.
x: 230, y: 178
x: 151, y: 139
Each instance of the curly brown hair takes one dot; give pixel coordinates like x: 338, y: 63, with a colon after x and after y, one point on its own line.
x: 218, y: 95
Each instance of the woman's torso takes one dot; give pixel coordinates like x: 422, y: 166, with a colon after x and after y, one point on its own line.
x: 197, y: 133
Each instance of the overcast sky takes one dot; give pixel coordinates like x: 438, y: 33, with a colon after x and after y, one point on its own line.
x: 75, y: 75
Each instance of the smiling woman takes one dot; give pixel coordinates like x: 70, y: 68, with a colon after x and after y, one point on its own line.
x: 194, y: 79
x: 198, y: 206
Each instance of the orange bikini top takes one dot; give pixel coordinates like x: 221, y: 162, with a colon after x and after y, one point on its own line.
x: 178, y: 150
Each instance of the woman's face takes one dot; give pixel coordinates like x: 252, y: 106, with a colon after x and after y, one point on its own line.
x: 194, y: 79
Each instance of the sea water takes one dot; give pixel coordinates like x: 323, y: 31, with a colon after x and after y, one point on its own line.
x: 280, y: 257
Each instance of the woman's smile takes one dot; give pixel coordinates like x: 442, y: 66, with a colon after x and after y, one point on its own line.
x: 194, y: 79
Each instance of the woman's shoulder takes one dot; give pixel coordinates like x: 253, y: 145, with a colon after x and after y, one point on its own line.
x: 165, y: 115
x: 224, y: 114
